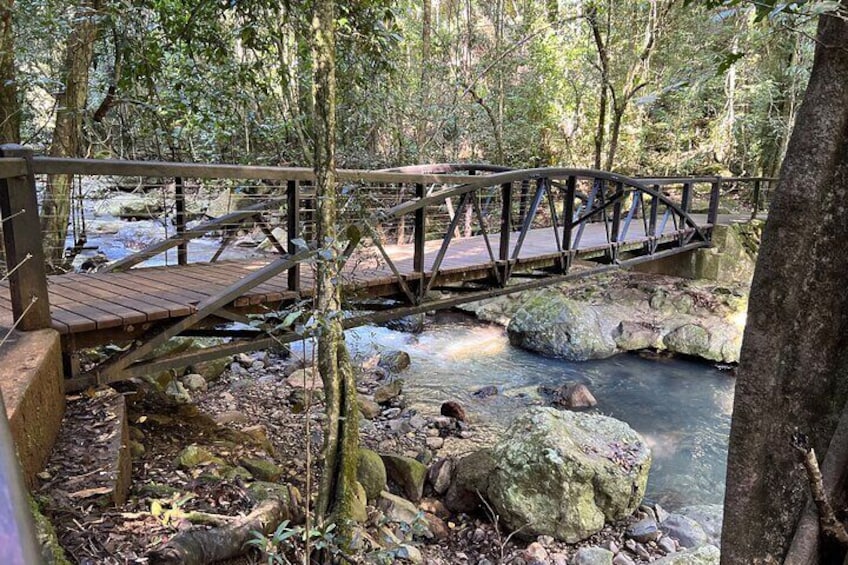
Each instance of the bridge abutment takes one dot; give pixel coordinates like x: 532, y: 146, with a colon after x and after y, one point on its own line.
x: 731, y: 258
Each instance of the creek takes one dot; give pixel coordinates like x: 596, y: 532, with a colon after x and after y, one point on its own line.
x: 681, y: 407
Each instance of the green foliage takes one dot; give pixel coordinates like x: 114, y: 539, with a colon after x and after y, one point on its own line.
x: 289, y: 541
x: 230, y: 81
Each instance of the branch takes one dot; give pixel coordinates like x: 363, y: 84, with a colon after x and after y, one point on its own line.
x: 830, y: 525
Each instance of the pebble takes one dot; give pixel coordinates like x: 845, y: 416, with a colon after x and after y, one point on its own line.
x: 418, y: 422
x: 435, y: 442
x: 622, y: 559
x: 194, y: 382
x: 642, y: 552
x: 391, y: 413
x: 667, y: 545
x: 545, y: 540
x: 535, y: 552
x: 453, y: 409
x: 644, y: 530
x: 559, y: 559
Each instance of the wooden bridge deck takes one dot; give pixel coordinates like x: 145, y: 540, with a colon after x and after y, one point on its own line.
x: 101, y: 307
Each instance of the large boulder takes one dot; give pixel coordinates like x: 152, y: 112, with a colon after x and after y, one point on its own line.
x: 556, y: 326
x: 406, y: 473
x: 565, y: 474
x: 371, y: 473
x: 226, y: 202
x: 470, y: 481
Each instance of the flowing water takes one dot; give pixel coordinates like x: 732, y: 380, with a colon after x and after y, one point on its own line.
x: 682, y: 408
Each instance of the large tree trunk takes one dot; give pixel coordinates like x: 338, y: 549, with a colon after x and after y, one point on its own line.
x: 792, y: 374
x: 10, y: 111
x: 67, y: 134
x: 341, y: 433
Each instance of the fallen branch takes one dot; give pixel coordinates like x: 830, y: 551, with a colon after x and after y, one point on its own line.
x: 830, y: 525
x: 834, y: 469
x: 203, y: 546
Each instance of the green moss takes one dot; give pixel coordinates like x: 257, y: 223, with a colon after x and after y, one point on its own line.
x: 51, y: 552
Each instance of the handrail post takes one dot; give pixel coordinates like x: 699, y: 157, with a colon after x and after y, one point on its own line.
x: 616, y: 221
x: 655, y: 205
x: 715, y: 192
x: 686, y: 198
x: 418, y: 246
x: 506, y: 228
x: 756, y: 198
x: 23, y: 244
x: 568, y: 218
x: 292, y: 224
x: 180, y: 218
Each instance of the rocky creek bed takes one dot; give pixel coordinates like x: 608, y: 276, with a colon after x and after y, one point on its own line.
x: 219, y: 445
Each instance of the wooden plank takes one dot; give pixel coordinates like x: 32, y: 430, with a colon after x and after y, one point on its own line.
x: 105, y: 314
x: 114, y: 296
x: 137, y: 290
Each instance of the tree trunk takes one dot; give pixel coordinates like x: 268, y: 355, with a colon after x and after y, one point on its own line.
x: 794, y: 361
x: 10, y: 111
x: 67, y: 134
x: 341, y: 434
x: 603, y: 65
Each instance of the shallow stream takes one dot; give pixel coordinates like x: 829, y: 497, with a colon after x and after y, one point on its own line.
x: 682, y: 408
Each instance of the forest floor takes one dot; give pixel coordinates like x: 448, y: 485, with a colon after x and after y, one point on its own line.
x: 255, y: 398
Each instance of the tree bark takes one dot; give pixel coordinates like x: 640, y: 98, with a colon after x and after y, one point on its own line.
x: 67, y: 133
x: 795, y: 350
x: 341, y: 433
x: 10, y: 111
x: 603, y: 65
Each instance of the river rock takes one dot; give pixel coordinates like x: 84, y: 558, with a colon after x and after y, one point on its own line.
x: 485, y: 392
x: 194, y: 382
x: 307, y: 378
x: 225, y: 203
x: 138, y: 207
x: 565, y: 474
x: 691, y: 339
x: 709, y: 516
x: 574, y: 396
x: 388, y: 392
x: 411, y: 324
x: 279, y: 234
x: 470, y: 480
x: 703, y: 555
x: 453, y: 409
x: 592, y: 556
x: 367, y: 407
x: 643, y: 531
x: 686, y: 531
x: 396, y: 508
x: 439, y: 475
x: 560, y: 327
x: 394, y: 361
x: 407, y: 473
x: 371, y: 473
x: 177, y: 392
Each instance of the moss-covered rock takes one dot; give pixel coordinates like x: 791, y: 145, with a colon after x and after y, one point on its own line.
x: 359, y: 510
x: 407, y: 473
x: 371, y: 473
x: 556, y: 326
x: 565, y: 474
x: 261, y: 491
x: 263, y: 469
x: 195, y: 455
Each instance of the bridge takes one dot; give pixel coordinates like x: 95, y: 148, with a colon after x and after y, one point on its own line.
x: 415, y: 239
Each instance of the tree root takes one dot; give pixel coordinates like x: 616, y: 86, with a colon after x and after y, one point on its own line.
x: 829, y: 523
x: 203, y: 546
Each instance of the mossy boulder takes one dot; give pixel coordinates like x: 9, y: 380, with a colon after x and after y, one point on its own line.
x: 195, y: 455
x: 565, y: 474
x: 263, y: 469
x: 262, y: 490
x: 406, y: 473
x: 371, y: 473
x: 556, y: 326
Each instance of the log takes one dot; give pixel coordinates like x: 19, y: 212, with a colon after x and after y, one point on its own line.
x: 203, y: 546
